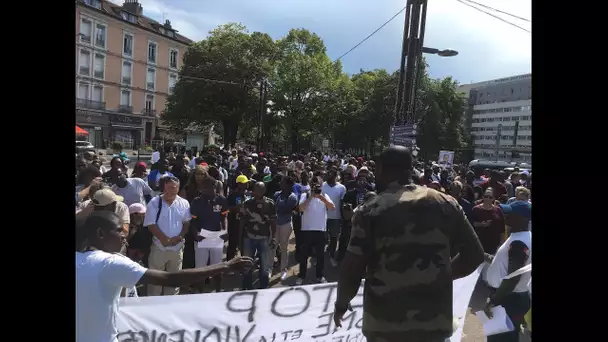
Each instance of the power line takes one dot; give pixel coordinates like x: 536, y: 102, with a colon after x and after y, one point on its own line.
x: 373, y: 33
x: 495, y: 16
x: 499, y: 11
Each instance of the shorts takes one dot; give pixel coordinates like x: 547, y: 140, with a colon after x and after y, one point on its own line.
x: 333, y: 227
x: 204, y: 256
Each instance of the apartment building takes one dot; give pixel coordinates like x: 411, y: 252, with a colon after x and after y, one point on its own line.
x: 126, y: 66
x: 499, y: 116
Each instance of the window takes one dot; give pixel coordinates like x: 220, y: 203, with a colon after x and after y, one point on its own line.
x: 127, y: 44
x: 99, y: 65
x: 97, y: 93
x: 151, y: 52
x: 127, y: 68
x: 149, y: 103
x: 93, y: 3
x: 129, y: 17
x: 100, y: 35
x: 172, y: 82
x: 86, y: 27
x: 150, y: 78
x: 173, y: 58
x: 83, y: 91
x: 84, y: 63
x: 125, y: 98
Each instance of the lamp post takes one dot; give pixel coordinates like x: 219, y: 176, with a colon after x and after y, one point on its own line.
x: 413, y: 46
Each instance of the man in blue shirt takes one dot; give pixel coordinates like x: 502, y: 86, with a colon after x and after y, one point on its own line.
x: 209, y: 212
x: 285, y: 202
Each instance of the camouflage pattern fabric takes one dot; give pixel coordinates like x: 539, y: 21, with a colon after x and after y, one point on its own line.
x: 258, y: 216
x: 406, y: 233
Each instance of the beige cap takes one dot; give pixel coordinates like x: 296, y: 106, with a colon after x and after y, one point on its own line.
x: 106, y: 196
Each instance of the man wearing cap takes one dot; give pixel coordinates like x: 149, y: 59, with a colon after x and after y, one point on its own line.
x: 235, y: 203
x: 107, y: 200
x: 513, y: 254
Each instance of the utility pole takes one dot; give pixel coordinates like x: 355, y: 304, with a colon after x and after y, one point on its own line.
x: 413, y: 36
x: 261, y: 115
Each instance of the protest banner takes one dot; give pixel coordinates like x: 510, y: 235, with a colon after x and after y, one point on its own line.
x: 299, y: 313
x: 446, y: 158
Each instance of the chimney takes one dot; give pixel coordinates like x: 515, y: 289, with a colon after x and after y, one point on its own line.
x: 133, y: 7
x: 167, y: 24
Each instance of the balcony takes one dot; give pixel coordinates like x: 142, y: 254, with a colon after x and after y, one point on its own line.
x: 126, y: 80
x: 85, y: 70
x: 85, y: 39
x: 149, y: 112
x: 90, y: 104
x: 98, y: 73
x: 150, y: 86
x: 125, y: 109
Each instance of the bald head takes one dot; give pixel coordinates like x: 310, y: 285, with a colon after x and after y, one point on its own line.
x: 259, y: 189
x: 396, y: 158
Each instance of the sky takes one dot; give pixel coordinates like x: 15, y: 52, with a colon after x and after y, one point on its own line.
x: 488, y: 48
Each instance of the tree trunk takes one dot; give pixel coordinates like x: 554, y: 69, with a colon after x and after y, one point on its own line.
x: 226, y: 127
x: 233, y: 133
x: 294, y: 139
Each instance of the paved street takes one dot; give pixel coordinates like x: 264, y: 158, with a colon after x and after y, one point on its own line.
x: 472, y: 331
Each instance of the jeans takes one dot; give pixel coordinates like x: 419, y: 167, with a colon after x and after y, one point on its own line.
x: 250, y: 247
x: 343, y: 240
x: 316, y: 241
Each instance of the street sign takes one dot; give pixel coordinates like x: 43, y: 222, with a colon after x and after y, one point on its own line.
x: 403, y: 134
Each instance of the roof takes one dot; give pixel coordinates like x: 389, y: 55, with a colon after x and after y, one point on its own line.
x: 113, y: 10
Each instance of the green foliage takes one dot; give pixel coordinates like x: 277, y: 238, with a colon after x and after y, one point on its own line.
x: 310, y: 97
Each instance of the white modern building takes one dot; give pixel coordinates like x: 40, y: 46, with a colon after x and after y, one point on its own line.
x: 500, y: 118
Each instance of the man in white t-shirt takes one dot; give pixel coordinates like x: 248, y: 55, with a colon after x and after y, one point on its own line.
x: 168, y: 219
x: 336, y: 192
x: 102, y: 273
x: 314, y: 208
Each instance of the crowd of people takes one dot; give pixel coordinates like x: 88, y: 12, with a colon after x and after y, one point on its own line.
x: 176, y: 221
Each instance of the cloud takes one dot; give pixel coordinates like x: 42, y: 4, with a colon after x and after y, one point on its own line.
x: 488, y: 48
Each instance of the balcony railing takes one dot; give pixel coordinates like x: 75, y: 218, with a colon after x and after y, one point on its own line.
x: 149, y: 112
x: 84, y: 38
x: 85, y: 70
x: 98, y: 73
x: 150, y: 85
x: 90, y: 104
x: 126, y: 80
x: 125, y: 109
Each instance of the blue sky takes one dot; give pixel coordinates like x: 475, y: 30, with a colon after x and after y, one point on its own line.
x: 488, y: 48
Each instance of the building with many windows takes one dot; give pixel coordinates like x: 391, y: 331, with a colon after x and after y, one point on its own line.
x: 499, y: 116
x: 126, y: 66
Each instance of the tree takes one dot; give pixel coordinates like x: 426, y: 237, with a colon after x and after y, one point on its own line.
x: 440, y: 114
x: 303, y: 78
x: 219, y: 80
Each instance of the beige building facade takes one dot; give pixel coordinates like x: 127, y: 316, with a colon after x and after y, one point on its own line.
x: 126, y: 66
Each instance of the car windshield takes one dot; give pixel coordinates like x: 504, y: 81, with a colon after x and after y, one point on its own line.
x: 82, y: 143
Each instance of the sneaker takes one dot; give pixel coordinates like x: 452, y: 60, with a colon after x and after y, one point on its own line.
x: 283, y: 274
x: 299, y: 281
x: 333, y: 262
x: 321, y: 280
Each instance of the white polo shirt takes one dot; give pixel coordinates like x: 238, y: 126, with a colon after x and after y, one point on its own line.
x: 170, y: 221
x: 314, y: 217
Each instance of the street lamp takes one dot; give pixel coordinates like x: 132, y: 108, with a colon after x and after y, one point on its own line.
x: 442, y: 53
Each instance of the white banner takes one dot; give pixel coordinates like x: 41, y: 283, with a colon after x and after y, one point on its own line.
x: 299, y: 313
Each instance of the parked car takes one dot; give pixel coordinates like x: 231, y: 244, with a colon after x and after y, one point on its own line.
x: 84, y: 146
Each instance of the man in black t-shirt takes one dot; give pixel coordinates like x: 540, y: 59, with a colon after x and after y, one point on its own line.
x: 237, y: 197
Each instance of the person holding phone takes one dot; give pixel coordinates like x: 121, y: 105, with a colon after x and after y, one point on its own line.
x: 314, y: 206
